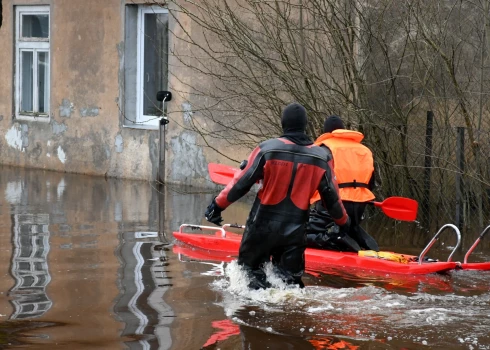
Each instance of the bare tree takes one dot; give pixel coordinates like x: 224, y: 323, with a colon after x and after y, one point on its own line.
x: 380, y: 64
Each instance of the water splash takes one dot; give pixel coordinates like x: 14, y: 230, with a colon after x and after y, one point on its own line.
x: 364, y: 313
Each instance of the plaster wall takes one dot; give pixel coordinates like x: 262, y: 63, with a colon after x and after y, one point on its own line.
x: 85, y: 132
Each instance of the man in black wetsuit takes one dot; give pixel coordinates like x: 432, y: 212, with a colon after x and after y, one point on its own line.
x: 291, y: 168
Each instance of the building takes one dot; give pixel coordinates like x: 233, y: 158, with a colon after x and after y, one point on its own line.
x: 79, y: 85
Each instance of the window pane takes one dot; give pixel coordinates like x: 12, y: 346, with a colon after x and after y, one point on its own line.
x: 26, y: 69
x: 42, y: 81
x: 155, y: 60
x: 35, y: 26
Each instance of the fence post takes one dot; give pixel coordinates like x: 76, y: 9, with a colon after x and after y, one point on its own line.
x: 459, y: 177
x: 427, y: 168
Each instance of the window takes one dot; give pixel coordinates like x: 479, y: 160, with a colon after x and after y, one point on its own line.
x: 146, y: 63
x: 32, y: 62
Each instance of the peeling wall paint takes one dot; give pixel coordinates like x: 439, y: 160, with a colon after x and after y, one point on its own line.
x: 187, y: 112
x: 58, y: 128
x: 14, y: 137
x: 66, y: 108
x: 61, y: 155
x: 119, y: 143
x: 25, y: 135
x: 36, y: 151
x: 189, y: 161
x: 89, y: 111
x: 154, y: 153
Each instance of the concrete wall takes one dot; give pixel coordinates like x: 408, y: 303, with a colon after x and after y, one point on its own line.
x: 85, y: 132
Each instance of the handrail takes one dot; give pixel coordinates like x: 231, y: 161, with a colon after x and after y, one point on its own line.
x: 434, y: 239
x: 233, y: 225
x: 202, y: 227
x: 465, y: 261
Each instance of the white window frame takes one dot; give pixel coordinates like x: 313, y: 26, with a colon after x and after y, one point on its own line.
x: 147, y: 120
x: 34, y: 45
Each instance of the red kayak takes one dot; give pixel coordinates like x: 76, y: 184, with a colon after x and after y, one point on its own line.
x: 227, y: 244
x: 399, y: 208
x: 389, y: 281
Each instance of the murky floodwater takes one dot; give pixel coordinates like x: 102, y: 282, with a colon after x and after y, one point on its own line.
x: 89, y: 263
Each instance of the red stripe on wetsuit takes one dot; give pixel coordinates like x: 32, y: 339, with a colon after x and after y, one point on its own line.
x: 277, y: 175
x: 222, y: 199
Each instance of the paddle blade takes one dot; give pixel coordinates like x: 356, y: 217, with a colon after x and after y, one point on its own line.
x: 399, y: 208
x: 221, y: 174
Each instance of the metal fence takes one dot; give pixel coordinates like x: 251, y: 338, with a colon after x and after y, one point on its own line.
x: 439, y: 167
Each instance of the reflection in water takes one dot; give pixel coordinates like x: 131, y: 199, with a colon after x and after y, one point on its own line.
x: 30, y: 265
x: 143, y: 282
x: 224, y: 330
x: 76, y: 224
x: 112, y: 282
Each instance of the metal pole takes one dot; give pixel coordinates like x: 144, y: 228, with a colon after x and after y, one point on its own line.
x: 427, y: 167
x: 161, y: 210
x: 459, y: 177
x: 163, y: 96
x: 161, y: 178
x: 161, y: 156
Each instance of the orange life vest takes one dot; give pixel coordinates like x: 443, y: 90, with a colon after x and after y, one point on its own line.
x: 353, y: 164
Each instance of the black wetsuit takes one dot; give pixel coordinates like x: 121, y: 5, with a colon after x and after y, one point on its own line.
x: 291, y: 169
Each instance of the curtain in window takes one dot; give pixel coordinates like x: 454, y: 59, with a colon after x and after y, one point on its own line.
x: 35, y: 26
x: 42, y: 81
x: 155, y: 60
x: 27, y: 78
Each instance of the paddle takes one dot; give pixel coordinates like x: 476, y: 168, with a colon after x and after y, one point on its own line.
x: 221, y: 174
x: 399, y: 208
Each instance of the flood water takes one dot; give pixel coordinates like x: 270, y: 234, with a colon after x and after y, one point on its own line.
x: 91, y: 263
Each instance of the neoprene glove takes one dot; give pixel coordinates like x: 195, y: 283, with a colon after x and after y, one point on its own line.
x: 213, y: 213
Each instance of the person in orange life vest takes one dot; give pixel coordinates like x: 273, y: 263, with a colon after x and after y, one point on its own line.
x: 354, y: 170
x: 291, y: 168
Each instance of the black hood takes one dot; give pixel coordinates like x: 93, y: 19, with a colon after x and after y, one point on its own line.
x: 294, y: 118
x: 332, y: 123
x: 294, y: 123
